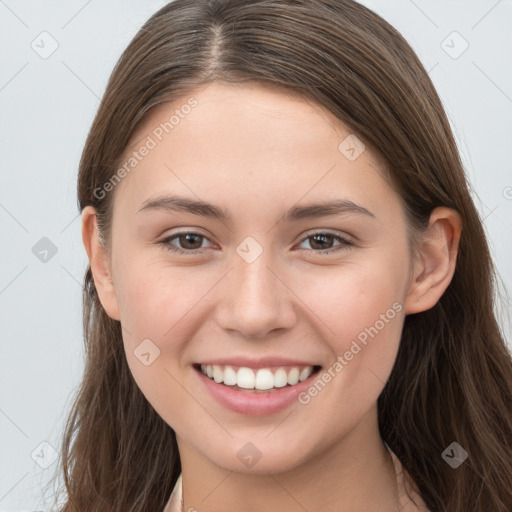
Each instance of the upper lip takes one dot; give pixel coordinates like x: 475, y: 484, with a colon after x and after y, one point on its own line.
x: 260, y: 362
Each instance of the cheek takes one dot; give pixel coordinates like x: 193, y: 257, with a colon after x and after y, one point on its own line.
x: 156, y: 302
x: 161, y: 308
x: 155, y: 298
x: 361, y: 311
x: 357, y: 296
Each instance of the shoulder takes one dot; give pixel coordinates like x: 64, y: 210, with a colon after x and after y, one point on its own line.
x: 174, y: 504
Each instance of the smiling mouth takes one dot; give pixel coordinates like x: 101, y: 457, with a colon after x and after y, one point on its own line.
x: 257, y: 380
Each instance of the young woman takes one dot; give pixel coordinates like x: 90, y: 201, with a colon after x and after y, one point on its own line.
x: 289, y: 304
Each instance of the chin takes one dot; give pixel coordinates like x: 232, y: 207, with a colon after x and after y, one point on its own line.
x: 258, y: 457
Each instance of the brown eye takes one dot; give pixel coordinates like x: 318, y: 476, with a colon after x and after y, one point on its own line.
x: 324, y: 243
x: 190, y: 240
x: 184, y: 243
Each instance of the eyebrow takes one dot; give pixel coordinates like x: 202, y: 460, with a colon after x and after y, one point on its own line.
x: 204, y: 209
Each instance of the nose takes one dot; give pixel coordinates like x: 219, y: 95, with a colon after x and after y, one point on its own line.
x: 255, y: 299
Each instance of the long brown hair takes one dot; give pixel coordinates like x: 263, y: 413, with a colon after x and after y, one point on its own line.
x: 452, y: 380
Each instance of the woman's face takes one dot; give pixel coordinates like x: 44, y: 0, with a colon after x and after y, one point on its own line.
x: 250, y: 287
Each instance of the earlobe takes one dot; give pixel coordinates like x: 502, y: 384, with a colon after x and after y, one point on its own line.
x: 99, y: 261
x: 435, y: 266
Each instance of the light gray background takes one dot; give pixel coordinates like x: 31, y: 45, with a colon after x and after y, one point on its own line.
x: 46, y: 108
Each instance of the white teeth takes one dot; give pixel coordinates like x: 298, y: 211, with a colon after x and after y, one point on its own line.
x: 245, y: 378
x: 293, y: 376
x: 229, y: 376
x: 280, y: 378
x: 261, y: 379
x: 305, y: 373
x: 218, y: 374
x: 264, y: 379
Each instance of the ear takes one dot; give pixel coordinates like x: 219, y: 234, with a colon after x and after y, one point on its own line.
x: 99, y: 260
x: 435, y: 266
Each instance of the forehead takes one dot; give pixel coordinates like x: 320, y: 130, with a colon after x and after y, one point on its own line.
x: 239, y: 143
x: 261, y: 111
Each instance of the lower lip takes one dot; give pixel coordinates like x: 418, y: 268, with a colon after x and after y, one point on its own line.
x: 255, y: 404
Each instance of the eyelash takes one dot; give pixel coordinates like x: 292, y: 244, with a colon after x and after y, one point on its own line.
x: 344, y: 243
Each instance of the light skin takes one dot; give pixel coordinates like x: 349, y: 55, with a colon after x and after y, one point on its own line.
x: 256, y: 153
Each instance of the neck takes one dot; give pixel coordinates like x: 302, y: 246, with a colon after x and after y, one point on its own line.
x: 355, y: 473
